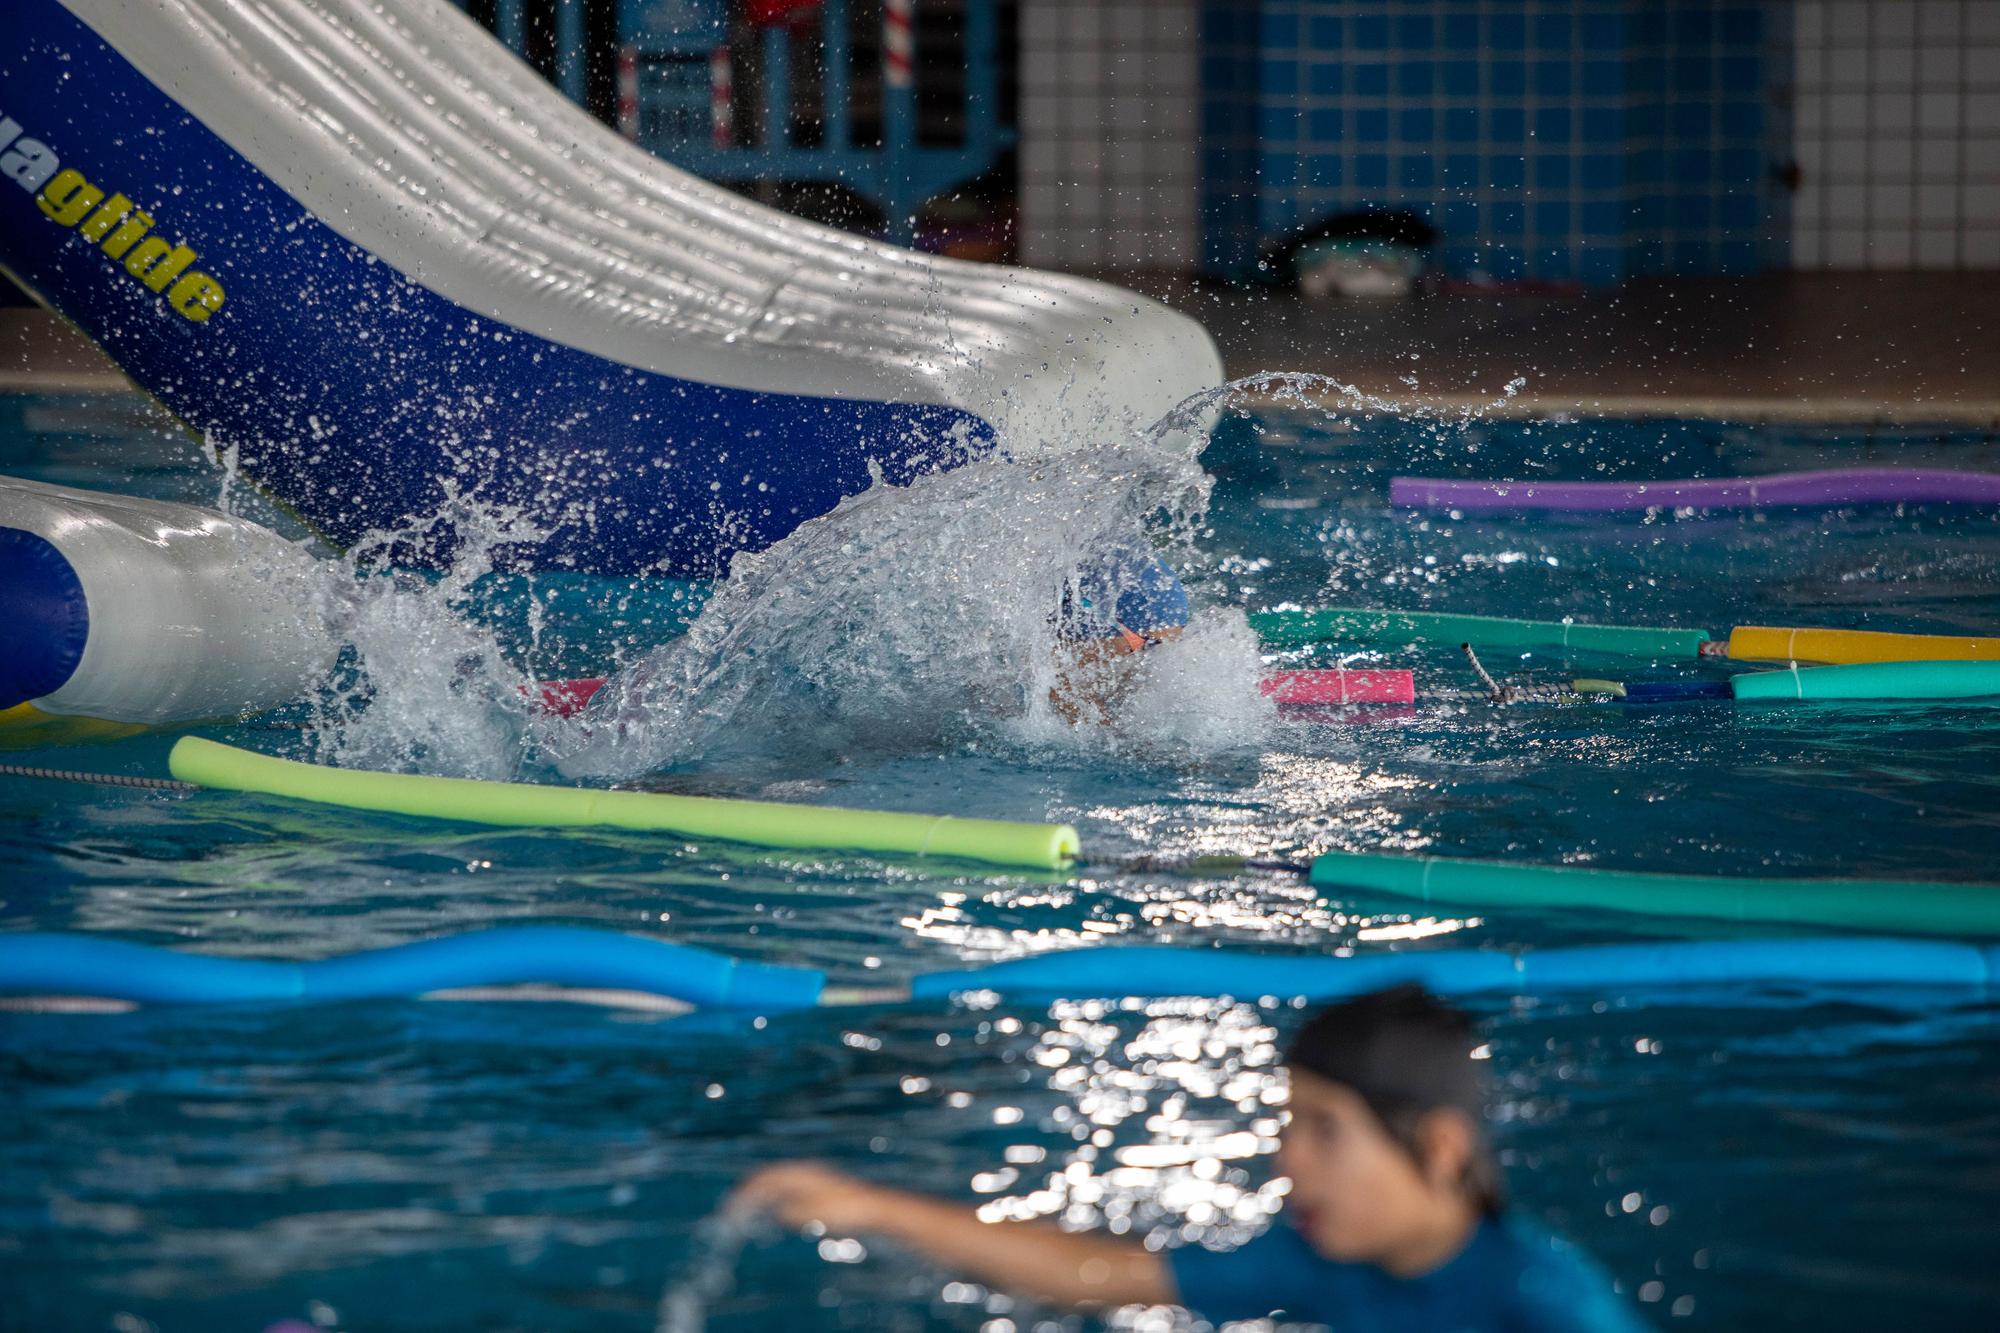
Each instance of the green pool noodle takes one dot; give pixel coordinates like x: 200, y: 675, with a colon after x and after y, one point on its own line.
x: 1873, y: 680
x: 526, y: 805
x: 1894, y: 906
x: 1330, y: 624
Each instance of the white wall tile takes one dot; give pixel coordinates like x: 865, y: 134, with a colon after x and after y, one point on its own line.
x: 1937, y: 248
x: 1900, y: 142
x: 1940, y: 21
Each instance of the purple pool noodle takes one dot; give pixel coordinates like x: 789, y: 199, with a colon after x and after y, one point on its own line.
x: 1840, y: 486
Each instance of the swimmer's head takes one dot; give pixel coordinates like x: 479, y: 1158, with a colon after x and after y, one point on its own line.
x: 1126, y: 593
x: 1385, y: 1133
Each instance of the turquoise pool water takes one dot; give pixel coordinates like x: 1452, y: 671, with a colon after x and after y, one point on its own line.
x: 1815, y: 1161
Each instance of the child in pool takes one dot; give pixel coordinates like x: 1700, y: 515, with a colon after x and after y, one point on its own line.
x: 1395, y: 1218
x: 1121, y: 602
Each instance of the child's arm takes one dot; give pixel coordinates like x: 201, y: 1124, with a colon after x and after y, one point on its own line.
x: 1030, y: 1258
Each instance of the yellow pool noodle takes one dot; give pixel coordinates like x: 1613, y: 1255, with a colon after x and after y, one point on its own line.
x: 1841, y: 647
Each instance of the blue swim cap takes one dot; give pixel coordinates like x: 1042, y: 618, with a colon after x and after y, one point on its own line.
x: 1126, y: 587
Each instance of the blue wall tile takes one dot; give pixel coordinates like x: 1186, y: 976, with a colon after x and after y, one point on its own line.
x: 1586, y: 140
x: 1459, y: 78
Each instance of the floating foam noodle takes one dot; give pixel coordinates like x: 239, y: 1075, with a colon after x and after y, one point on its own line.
x: 1766, y: 643
x: 71, y: 965
x: 207, y: 763
x: 1873, y: 680
x: 1339, y: 685
x: 1299, y: 629
x: 36, y: 963
x: 1114, y: 971
x: 1837, y: 486
x: 1900, y: 906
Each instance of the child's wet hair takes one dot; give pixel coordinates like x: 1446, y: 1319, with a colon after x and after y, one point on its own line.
x: 1405, y: 1053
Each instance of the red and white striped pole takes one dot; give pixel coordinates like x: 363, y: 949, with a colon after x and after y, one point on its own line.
x: 628, y: 92
x: 898, y: 43
x: 722, y: 96
x: 899, y: 118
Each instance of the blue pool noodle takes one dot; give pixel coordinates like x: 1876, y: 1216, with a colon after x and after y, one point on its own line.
x: 46, y: 964
x: 1114, y: 972
x: 62, y: 964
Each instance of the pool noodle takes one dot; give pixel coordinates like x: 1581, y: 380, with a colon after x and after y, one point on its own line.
x: 1340, y: 685
x: 1900, y: 906
x: 1141, y: 971
x: 526, y: 805
x: 1332, y: 624
x: 1838, y: 486
x: 39, y: 963
x: 1872, y: 680
x: 48, y: 964
x: 1766, y: 643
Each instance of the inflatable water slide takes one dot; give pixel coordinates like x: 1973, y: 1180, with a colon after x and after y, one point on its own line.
x: 371, y: 256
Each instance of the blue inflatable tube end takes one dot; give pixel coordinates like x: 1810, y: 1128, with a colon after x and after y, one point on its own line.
x: 43, y: 606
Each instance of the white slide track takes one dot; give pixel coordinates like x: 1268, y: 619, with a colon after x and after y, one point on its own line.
x: 362, y: 245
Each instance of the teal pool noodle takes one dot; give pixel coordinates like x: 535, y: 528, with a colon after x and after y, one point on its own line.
x: 1329, y: 624
x: 1902, y: 907
x: 1873, y: 680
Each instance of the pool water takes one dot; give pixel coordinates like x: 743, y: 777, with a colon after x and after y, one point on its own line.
x: 1736, y: 1159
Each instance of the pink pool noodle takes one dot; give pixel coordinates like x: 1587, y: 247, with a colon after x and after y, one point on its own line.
x: 1338, y: 685
x: 566, y: 698
x: 1839, y: 486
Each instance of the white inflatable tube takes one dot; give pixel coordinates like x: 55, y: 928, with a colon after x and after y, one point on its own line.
x: 143, y: 612
x: 362, y: 244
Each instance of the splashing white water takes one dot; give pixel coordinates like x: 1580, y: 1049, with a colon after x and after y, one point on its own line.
x: 424, y: 686
x: 910, y: 618
x: 921, y: 616
x: 718, y: 1244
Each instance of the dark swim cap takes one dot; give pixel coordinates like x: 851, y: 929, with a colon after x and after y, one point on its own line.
x: 1402, y: 1051
x: 1125, y: 587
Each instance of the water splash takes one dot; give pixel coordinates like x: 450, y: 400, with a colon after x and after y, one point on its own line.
x: 718, y: 1244
x: 910, y: 618
x: 921, y: 617
x: 423, y: 685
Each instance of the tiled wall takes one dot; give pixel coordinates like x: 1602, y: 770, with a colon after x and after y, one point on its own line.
x: 1547, y: 139
x: 1110, y: 115
x: 1898, y: 134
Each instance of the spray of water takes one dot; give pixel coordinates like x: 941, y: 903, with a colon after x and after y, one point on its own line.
x: 921, y: 617
x: 909, y: 619
x: 423, y: 685
x: 711, y: 1272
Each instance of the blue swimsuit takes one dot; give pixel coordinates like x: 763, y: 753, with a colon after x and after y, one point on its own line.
x: 1510, y: 1278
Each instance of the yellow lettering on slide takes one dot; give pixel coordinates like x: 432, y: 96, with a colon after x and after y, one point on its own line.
x: 118, y: 228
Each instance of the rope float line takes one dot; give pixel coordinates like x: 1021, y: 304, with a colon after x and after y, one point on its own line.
x: 598, y: 961
x: 1823, y: 489
x: 1300, y: 687
x: 101, y: 779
